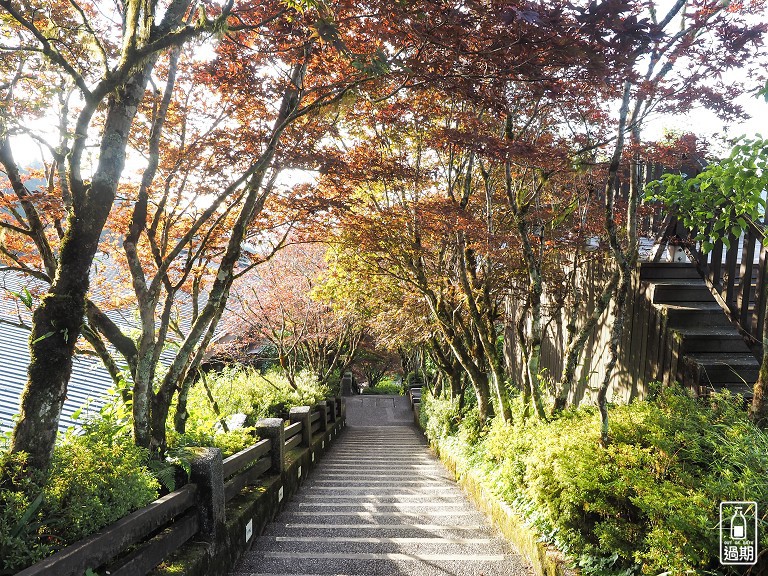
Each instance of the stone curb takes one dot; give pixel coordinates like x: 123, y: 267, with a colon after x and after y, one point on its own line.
x: 546, y: 560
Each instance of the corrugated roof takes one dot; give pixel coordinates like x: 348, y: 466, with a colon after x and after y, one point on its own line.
x: 90, y: 380
x: 87, y: 386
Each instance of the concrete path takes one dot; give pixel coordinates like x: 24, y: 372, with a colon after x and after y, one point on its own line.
x: 379, y: 503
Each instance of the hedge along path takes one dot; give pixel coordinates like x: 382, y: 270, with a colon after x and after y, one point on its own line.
x: 381, y: 504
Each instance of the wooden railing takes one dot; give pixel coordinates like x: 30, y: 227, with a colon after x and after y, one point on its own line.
x: 735, y: 271
x: 197, y: 509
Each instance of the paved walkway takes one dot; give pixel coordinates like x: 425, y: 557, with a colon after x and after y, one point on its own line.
x: 377, y: 504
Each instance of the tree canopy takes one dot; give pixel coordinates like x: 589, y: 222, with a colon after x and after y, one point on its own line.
x: 468, y: 156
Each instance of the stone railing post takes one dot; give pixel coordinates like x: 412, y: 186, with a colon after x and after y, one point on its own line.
x: 303, y: 414
x: 208, y: 473
x: 273, y: 429
x: 347, y: 384
x: 323, y: 416
x: 331, y: 404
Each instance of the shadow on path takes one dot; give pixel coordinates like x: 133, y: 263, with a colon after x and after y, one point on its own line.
x: 379, y: 503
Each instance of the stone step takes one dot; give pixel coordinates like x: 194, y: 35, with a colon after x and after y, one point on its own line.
x: 392, y: 517
x: 381, y: 530
x: 374, y: 544
x: 385, y: 564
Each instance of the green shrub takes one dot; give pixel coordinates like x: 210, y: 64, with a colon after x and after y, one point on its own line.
x: 386, y: 387
x: 242, y: 390
x: 440, y: 416
x: 22, y: 541
x: 230, y: 442
x: 646, y: 504
x: 94, y: 481
x: 97, y: 476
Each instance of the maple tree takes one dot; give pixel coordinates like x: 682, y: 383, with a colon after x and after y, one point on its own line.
x: 100, y: 72
x: 279, y: 306
x: 214, y: 132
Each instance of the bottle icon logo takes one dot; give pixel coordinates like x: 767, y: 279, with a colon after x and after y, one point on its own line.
x: 738, y: 525
x: 738, y: 533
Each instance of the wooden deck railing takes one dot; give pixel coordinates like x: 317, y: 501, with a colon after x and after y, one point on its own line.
x: 137, y: 543
x: 735, y: 271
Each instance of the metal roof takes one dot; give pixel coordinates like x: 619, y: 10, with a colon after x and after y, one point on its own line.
x: 90, y: 380
x: 90, y: 383
x: 87, y: 386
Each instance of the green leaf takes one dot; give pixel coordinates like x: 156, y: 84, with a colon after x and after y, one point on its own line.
x: 28, y: 513
x: 43, y: 337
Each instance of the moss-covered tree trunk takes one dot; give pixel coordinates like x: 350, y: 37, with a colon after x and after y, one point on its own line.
x: 483, y: 317
x: 57, y: 321
x: 758, y: 412
x: 576, y: 343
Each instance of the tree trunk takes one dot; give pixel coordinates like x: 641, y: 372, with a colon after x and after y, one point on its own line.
x: 616, y: 332
x: 57, y: 321
x: 759, y: 410
x: 576, y: 344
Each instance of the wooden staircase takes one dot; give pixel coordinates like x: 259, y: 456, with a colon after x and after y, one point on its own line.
x: 713, y: 355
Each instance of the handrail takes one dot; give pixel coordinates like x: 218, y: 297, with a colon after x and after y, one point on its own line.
x: 112, y: 540
x: 182, y: 514
x: 293, y: 430
x: 246, y: 457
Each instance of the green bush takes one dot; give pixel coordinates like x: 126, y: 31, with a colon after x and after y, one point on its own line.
x: 97, y: 476
x: 646, y: 504
x: 207, y: 434
x: 95, y: 480
x: 439, y: 416
x: 241, y: 390
x: 21, y: 539
x: 386, y: 387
